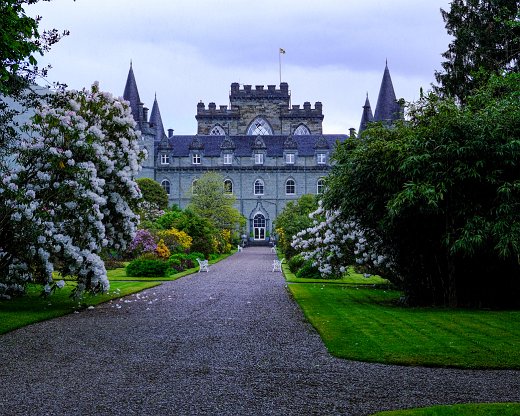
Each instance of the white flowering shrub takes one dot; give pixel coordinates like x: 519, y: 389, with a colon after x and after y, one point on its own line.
x: 333, y: 243
x: 71, y: 192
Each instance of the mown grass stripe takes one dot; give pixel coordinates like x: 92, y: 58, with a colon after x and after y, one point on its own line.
x: 366, y: 324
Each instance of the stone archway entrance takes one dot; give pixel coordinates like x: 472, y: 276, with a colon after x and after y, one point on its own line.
x: 259, y: 226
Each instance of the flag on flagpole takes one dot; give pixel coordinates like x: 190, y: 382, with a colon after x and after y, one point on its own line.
x: 282, y: 50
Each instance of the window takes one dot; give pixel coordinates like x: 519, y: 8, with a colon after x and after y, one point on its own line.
x: 165, y: 159
x: 289, y: 158
x: 195, y: 159
x: 320, y: 186
x: 301, y: 130
x: 259, y: 158
x: 166, y: 186
x: 321, y: 158
x: 290, y: 187
x: 228, y: 158
x: 194, y: 187
x: 259, y: 127
x: 259, y: 187
x: 217, y: 131
x: 228, y: 186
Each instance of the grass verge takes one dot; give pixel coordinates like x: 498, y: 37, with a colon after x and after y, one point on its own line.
x: 352, y: 278
x: 366, y: 324
x: 476, y: 409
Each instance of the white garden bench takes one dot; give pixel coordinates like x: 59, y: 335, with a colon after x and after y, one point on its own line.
x: 239, y: 248
x: 203, y: 265
x: 273, y: 249
x: 277, y: 265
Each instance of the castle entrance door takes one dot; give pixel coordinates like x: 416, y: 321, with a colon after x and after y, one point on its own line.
x: 259, y: 227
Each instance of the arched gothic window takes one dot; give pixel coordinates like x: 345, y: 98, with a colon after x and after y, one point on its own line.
x: 217, y: 131
x: 259, y: 127
x: 166, y: 186
x: 228, y: 186
x: 320, y: 186
x: 194, y: 187
x: 290, y: 187
x: 301, y: 130
x: 259, y: 187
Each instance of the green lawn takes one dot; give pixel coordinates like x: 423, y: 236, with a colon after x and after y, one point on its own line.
x: 352, y: 278
x: 476, y: 409
x: 19, y: 312
x: 366, y: 324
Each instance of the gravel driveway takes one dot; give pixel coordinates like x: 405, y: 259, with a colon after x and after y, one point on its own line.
x: 227, y: 342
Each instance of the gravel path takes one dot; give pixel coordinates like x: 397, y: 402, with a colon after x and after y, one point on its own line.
x: 227, y: 342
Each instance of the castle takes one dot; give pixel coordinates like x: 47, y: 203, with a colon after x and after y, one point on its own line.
x: 268, y: 152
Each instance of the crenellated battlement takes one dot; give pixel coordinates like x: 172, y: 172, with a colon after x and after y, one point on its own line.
x: 212, y: 111
x: 259, y: 92
x: 306, y: 112
x: 247, y: 102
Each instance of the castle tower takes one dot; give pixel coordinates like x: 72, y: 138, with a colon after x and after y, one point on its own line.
x: 387, y: 108
x: 366, y: 117
x: 140, y: 114
x: 131, y: 94
x: 156, y: 121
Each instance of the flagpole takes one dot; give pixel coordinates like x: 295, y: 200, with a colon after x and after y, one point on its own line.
x: 280, y: 64
x: 280, y: 52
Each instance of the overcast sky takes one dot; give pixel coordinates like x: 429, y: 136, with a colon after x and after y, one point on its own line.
x: 187, y: 51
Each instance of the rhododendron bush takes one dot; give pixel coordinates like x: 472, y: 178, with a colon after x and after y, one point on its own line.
x: 333, y: 243
x: 71, y: 191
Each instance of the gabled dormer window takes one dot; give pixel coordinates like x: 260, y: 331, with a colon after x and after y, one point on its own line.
x: 195, y: 158
x: 321, y: 158
x: 259, y: 158
x: 165, y: 159
x: 227, y: 158
x: 289, y: 158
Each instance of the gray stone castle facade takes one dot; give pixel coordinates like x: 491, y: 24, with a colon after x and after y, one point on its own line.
x: 267, y: 151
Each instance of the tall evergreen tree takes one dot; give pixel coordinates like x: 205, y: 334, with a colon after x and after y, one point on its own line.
x: 486, y: 40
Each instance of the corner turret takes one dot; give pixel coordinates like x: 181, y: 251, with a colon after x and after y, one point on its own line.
x: 387, y: 108
x: 131, y: 95
x: 366, y: 117
x: 156, y: 121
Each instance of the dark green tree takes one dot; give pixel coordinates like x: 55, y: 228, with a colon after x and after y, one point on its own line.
x: 442, y: 194
x: 153, y: 192
x: 20, y: 43
x: 486, y: 41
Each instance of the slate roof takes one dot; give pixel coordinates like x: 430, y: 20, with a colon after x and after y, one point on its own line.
x: 131, y: 94
x: 156, y: 121
x: 306, y: 144
x: 387, y: 108
x: 366, y: 117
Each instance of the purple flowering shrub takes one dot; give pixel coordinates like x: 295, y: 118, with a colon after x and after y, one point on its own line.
x: 143, y: 242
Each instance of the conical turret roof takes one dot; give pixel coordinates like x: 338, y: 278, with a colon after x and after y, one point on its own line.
x: 156, y: 121
x: 387, y: 108
x: 131, y: 94
x: 366, y: 117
